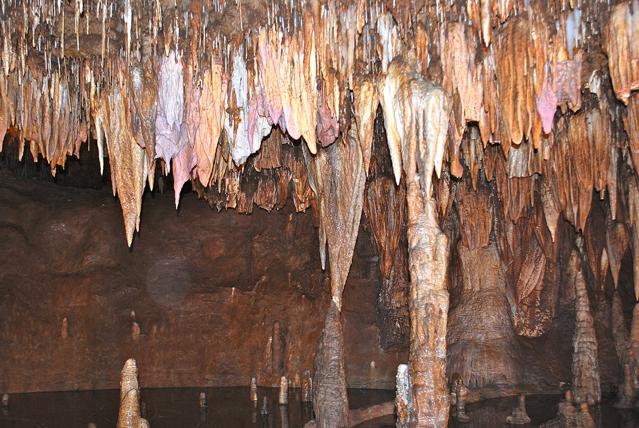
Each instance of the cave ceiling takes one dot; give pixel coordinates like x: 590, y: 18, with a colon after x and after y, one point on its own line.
x: 259, y: 102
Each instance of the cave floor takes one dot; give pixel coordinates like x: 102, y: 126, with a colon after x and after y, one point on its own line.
x: 230, y: 407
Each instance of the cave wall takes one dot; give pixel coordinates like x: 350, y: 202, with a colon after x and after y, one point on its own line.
x: 206, y: 289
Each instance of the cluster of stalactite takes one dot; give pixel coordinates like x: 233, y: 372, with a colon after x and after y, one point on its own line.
x: 522, y: 108
x: 156, y: 82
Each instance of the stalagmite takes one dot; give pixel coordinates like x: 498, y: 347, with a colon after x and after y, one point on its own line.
x: 566, y: 414
x: 385, y: 206
x: 253, y: 390
x: 277, y: 352
x: 585, y: 365
x: 633, y: 208
x: 330, y: 401
x: 584, y: 419
x: 64, y: 328
x: 283, y: 392
x: 129, y: 414
x: 519, y: 415
x: 528, y: 288
x: 284, y: 417
x: 619, y: 330
x: 307, y: 387
x: 632, y: 350
x: 626, y: 389
x: 461, y: 395
x: 135, y: 331
x: 404, y: 398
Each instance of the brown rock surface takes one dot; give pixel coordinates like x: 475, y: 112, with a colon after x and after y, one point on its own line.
x: 488, y: 353
x: 205, y: 302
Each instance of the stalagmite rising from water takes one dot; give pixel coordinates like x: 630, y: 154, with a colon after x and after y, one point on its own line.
x: 129, y: 416
x: 330, y: 401
x: 585, y: 365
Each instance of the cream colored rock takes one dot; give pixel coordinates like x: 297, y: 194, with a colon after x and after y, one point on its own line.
x: 129, y: 414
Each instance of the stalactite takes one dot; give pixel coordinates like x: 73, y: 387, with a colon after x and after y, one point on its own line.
x: 631, y: 121
x: 171, y: 136
x: 211, y: 121
x: 365, y: 106
x: 515, y: 90
x: 384, y: 206
x: 585, y: 365
x: 475, y: 214
x: 617, y: 242
x: 534, y: 267
x: 315, y: 76
x: 337, y: 177
x: 126, y: 158
x: 145, y: 101
x: 633, y: 209
x: 621, y: 48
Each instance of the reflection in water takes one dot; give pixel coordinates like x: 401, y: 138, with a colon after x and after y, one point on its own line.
x: 231, y: 408
x: 170, y: 408
x: 541, y: 408
x: 284, y: 416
